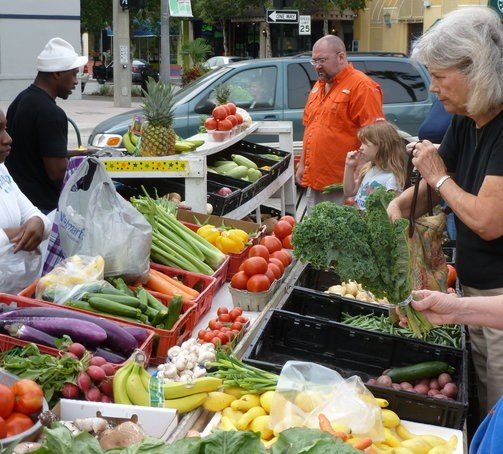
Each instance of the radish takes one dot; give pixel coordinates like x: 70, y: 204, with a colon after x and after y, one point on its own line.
x: 70, y: 391
x: 106, y: 399
x: 77, y: 349
x: 84, y: 381
x: 96, y: 373
x: 93, y: 394
x: 97, y: 361
x: 109, y: 369
x: 106, y: 387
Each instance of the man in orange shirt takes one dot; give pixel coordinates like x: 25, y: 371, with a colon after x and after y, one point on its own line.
x: 342, y: 101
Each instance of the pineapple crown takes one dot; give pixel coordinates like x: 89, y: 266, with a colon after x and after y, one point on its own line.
x: 158, y: 103
x: 222, y: 93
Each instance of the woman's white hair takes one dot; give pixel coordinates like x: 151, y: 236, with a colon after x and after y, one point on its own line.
x: 471, y: 41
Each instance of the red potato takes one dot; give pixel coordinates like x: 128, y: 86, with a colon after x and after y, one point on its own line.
x: 440, y: 396
x: 384, y: 380
x: 432, y: 392
x: 434, y: 384
x: 405, y: 385
x: 396, y: 386
x: 423, y: 381
x: 450, y: 390
x: 443, y: 379
x: 422, y: 389
x: 371, y: 381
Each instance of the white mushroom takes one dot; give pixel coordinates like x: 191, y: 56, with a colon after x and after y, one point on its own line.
x: 173, y: 352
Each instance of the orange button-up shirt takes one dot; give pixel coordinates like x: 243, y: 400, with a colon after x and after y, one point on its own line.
x: 332, y: 122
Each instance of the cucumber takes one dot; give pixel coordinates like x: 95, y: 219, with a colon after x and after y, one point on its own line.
x: 272, y: 157
x: 420, y: 370
x: 224, y: 163
x: 122, y: 299
x: 113, y: 308
x: 243, y: 161
x: 238, y: 172
x: 174, y: 310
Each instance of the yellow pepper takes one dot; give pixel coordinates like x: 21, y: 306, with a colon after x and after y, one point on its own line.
x: 238, y: 233
x: 229, y: 245
x: 209, y: 232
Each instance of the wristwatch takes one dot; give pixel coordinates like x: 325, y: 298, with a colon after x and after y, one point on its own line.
x: 440, y: 182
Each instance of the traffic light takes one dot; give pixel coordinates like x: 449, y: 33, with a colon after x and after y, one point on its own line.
x: 133, y: 4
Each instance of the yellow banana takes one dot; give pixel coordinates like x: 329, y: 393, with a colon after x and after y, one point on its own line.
x: 184, y: 146
x: 133, y: 138
x: 195, y: 142
x: 128, y: 145
x: 389, y: 418
x: 145, y: 378
x: 383, y: 448
x: 266, y: 400
x: 261, y: 424
x: 417, y: 445
x: 403, y: 433
x: 391, y: 439
x: 246, y: 402
x: 383, y: 403
x: 136, y: 392
x: 235, y: 391
x: 226, y: 424
x: 249, y: 416
x: 186, y: 403
x: 233, y: 415
x: 175, y: 390
x: 433, y: 440
x: 401, y: 450
x: 119, y: 384
x: 441, y: 449
x: 341, y: 428
x: 269, y: 443
x: 217, y: 401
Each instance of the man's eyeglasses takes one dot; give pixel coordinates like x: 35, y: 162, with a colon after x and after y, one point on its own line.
x: 318, y: 61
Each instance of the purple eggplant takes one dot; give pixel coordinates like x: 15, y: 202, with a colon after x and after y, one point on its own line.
x: 111, y: 357
x: 118, y: 339
x: 139, y: 333
x: 30, y: 334
x: 87, y: 333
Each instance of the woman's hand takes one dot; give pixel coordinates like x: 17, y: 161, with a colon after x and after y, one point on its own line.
x: 394, y: 211
x: 439, y: 308
x: 426, y: 159
x: 29, y: 236
x: 353, y: 158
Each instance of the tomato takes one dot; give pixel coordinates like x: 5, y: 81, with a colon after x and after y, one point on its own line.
x: 236, y: 312
x: 278, y: 263
x: 239, y: 117
x: 232, y: 119
x: 201, y: 334
x: 216, y: 341
x: 287, y: 242
x: 29, y: 396
x: 235, y: 330
x: 239, y: 280
x: 224, y: 125
x: 284, y: 256
x: 17, y: 423
x: 258, y: 282
x: 210, y: 123
x: 225, y: 329
x: 451, y: 276
x: 282, y: 229
x: 224, y: 318
x: 289, y: 219
x: 254, y: 265
x: 241, y: 319
x: 223, y: 337
x: 271, y: 243
x: 259, y: 250
x: 231, y: 335
x: 208, y: 336
x: 270, y: 275
x: 237, y: 326
x: 222, y: 310
x: 214, y: 324
x: 275, y: 269
x: 231, y: 107
x: 3, y: 428
x: 219, y: 112
x: 7, y: 400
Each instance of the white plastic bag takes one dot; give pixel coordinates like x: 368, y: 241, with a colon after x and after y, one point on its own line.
x: 305, y: 390
x: 95, y: 220
x: 19, y: 270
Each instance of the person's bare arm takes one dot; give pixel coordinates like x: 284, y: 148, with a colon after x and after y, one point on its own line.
x: 350, y: 182
x: 29, y: 235
x: 55, y: 167
x: 401, y: 206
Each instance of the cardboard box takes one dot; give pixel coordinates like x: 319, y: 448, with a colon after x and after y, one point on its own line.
x: 199, y: 218
x: 156, y: 422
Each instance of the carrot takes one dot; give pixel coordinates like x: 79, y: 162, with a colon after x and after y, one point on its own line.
x: 170, y: 282
x: 183, y: 287
x: 160, y: 285
x: 362, y: 443
x: 325, y: 426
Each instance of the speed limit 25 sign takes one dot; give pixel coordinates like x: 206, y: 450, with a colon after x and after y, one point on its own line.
x: 304, y: 25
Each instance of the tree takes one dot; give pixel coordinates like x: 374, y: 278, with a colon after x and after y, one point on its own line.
x: 95, y: 15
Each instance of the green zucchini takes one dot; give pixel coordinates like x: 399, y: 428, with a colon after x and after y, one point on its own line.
x: 174, y: 309
x: 154, y: 303
x: 238, y: 172
x: 244, y: 161
x: 122, y: 299
x: 420, y: 370
x: 114, y: 308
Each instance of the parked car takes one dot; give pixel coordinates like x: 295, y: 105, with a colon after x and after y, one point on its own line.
x: 106, y: 73
x: 216, y: 62
x: 276, y: 89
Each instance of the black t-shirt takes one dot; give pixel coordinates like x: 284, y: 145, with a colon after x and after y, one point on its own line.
x: 472, y: 154
x: 38, y: 128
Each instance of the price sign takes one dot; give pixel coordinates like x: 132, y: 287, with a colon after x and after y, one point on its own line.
x: 304, y: 25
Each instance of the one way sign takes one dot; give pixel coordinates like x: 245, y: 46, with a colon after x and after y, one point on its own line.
x: 282, y: 16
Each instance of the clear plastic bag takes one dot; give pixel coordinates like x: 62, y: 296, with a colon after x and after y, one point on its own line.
x: 305, y: 390
x: 19, y: 270
x: 93, y: 219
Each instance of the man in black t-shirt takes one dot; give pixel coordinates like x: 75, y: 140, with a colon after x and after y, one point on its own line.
x: 39, y: 127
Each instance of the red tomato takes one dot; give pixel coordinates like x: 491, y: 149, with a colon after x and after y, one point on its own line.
x: 241, y: 319
x: 271, y: 243
x: 201, y: 334
x: 451, y: 275
x: 258, y: 282
x: 224, y: 125
x: 222, y: 310
x: 287, y: 242
x: 235, y: 330
x: 223, y: 337
x: 224, y: 318
x: 289, y: 219
x: 28, y: 395
x: 239, y: 117
x: 208, y: 336
x: 17, y: 423
x: 232, y: 119
x: 231, y: 335
x: 216, y: 341
x: 278, y: 263
x: 270, y: 275
x: 238, y: 309
x: 237, y: 326
x: 225, y: 329
x: 236, y: 312
x: 275, y: 269
x: 214, y: 324
x: 284, y: 256
x: 282, y: 229
x: 231, y: 107
x: 3, y: 428
x: 7, y: 400
x: 219, y: 112
x: 210, y: 123
x: 259, y: 250
x: 239, y: 280
x: 254, y: 265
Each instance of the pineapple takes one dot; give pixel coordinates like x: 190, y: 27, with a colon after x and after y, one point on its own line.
x: 222, y: 93
x: 158, y: 137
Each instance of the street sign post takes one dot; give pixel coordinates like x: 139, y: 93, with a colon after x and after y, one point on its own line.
x: 304, y: 25
x: 282, y: 16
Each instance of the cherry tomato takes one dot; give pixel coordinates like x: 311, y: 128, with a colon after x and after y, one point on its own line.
x: 258, y: 282
x: 208, y: 336
x: 224, y: 125
x: 287, y: 242
x: 241, y: 319
x: 239, y: 280
x: 17, y: 423
x: 234, y: 313
x: 259, y: 250
x: 201, y: 333
x: 224, y: 318
x: 272, y: 243
x: 275, y: 269
x: 222, y: 310
x: 29, y: 396
x: 278, y: 263
x: 237, y: 326
x: 254, y: 265
x: 216, y: 341
x: 219, y: 113
x: 210, y: 124
x: 284, y: 256
x: 7, y: 400
x: 3, y: 428
x: 289, y: 219
x: 270, y: 275
x: 231, y: 107
x: 214, y: 324
x: 282, y: 229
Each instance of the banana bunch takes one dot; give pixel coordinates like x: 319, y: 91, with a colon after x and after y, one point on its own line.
x: 240, y: 167
x: 185, y: 145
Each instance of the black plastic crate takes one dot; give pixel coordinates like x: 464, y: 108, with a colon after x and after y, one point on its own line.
x: 248, y: 189
x: 285, y: 336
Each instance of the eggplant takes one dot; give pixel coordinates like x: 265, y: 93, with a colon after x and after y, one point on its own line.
x: 118, y: 339
x: 111, y: 357
x: 139, y: 333
x: 87, y: 333
x: 30, y: 334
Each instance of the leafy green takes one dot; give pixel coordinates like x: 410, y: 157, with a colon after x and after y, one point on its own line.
x: 59, y: 440
x: 312, y: 441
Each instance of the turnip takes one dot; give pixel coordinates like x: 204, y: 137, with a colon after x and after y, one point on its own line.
x: 96, y: 373
x: 70, y: 391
